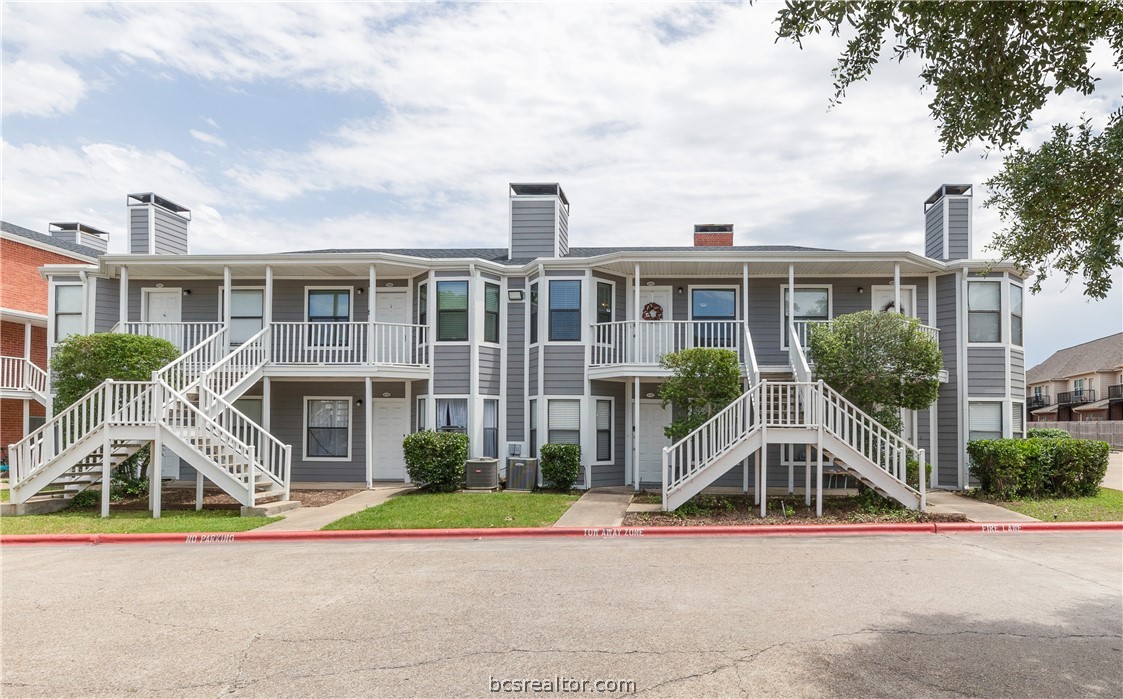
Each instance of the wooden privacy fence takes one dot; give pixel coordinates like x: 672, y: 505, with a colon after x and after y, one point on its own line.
x: 1110, y: 431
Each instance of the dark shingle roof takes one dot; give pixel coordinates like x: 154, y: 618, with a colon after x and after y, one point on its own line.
x: 1103, y: 354
x: 43, y: 239
x: 499, y: 255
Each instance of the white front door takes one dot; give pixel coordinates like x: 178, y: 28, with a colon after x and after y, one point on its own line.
x: 882, y: 299
x: 656, y: 339
x: 391, y: 425
x: 163, y: 306
x: 652, y: 419
x: 392, y: 344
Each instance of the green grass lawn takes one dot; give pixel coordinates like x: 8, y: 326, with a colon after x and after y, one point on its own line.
x: 1107, y: 506
x: 461, y: 511
x: 131, y: 522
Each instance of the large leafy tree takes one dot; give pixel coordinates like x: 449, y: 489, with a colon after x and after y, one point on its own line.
x: 881, y: 362
x: 991, y: 66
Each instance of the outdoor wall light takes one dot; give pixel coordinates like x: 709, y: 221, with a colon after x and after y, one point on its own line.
x: 187, y: 292
x: 680, y: 291
x: 861, y: 290
x: 515, y: 295
x: 359, y: 402
x: 360, y: 291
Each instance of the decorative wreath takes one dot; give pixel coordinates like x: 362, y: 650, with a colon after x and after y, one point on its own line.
x: 653, y: 311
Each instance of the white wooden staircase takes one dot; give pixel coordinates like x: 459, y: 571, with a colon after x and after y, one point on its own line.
x: 799, y: 411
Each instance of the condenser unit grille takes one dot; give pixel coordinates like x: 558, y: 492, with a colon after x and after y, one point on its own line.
x: 522, y: 474
x: 481, y: 474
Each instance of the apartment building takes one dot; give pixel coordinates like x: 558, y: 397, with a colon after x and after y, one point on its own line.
x: 1079, y: 383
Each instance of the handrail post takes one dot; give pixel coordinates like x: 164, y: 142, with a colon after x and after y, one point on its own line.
x: 252, y: 475
x: 921, y: 476
x: 666, y: 474
x: 288, y: 470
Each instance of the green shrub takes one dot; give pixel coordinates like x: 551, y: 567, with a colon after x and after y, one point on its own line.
x: 911, y: 468
x: 86, y: 499
x: 81, y: 363
x: 703, y: 382
x: 1038, y: 467
x: 1048, y: 433
x: 435, y: 460
x: 561, y: 464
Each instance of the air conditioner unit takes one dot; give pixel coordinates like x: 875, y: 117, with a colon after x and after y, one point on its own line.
x: 522, y: 474
x: 481, y: 474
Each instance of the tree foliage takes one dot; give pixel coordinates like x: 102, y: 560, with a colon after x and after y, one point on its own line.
x: 881, y: 362
x: 991, y: 67
x: 702, y: 382
x: 81, y: 363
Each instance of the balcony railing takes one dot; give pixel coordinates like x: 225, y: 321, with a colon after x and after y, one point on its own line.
x: 1038, y: 401
x: 628, y: 342
x: 803, y: 330
x: 350, y: 343
x: 1084, y: 395
x: 183, y: 335
x: 19, y: 374
x: 1115, y: 392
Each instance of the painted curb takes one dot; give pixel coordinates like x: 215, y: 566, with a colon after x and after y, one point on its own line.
x: 562, y: 532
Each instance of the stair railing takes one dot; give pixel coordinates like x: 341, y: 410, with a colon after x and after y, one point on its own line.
x: 273, y: 456
x: 250, y: 356
x: 752, y: 368
x: 184, y: 372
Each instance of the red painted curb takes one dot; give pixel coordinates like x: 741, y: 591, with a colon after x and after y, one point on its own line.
x: 551, y: 533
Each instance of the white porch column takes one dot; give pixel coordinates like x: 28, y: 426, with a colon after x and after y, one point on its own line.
x: 635, y: 427
x: 372, y: 283
x: 266, y: 402
x: 633, y: 354
x: 791, y: 300
x: 106, y: 473
x: 27, y: 340
x: 267, y: 302
x: 226, y: 312
x: 368, y: 420
x: 123, y: 300
x: 897, y: 287
x: 156, y: 480
x: 475, y: 334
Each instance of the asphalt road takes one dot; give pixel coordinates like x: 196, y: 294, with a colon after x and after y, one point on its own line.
x: 998, y: 615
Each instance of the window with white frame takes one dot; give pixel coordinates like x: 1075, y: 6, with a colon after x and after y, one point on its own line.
x: 533, y: 427
x: 717, y: 309
x: 604, y: 429
x: 604, y: 302
x: 1078, y: 388
x: 534, y: 313
x: 984, y: 419
x: 984, y: 312
x: 327, y: 424
x: 422, y: 403
x: 247, y: 314
x: 68, y: 311
x: 810, y: 303
x: 1017, y: 419
x: 1015, y: 314
x: 328, y: 312
x: 452, y: 311
x: 563, y: 422
x: 565, y: 310
x: 491, y: 428
x: 491, y: 312
x: 452, y: 415
x: 422, y: 303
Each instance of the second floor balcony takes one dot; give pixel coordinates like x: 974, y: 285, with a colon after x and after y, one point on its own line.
x: 1040, y: 400
x: 1081, y: 395
x: 642, y: 344
x: 1115, y: 392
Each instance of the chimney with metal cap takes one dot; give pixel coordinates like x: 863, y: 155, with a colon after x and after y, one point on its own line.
x: 80, y: 234
x: 539, y: 221
x: 713, y: 235
x: 947, y: 223
x: 157, y: 226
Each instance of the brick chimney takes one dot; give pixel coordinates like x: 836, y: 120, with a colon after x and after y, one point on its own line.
x: 713, y: 235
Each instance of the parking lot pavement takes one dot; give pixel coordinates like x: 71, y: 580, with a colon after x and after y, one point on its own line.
x: 935, y: 615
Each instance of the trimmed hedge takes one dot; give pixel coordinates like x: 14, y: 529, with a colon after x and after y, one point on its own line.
x: 435, y: 460
x: 1048, y: 433
x: 1038, y: 467
x: 561, y: 464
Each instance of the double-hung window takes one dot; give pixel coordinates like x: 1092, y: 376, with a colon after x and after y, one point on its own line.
x: 717, y: 309
x: 808, y: 305
x: 984, y: 420
x: 1015, y: 315
x: 452, y: 415
x: 68, y: 311
x: 1078, y: 388
x: 452, y: 311
x: 565, y: 310
x: 491, y: 312
x: 984, y: 312
x: 533, y: 427
x: 564, y: 422
x: 1017, y: 419
x: 247, y: 314
x: 604, y: 430
x: 329, y: 311
x: 327, y: 428
x: 604, y: 302
x: 422, y: 304
x: 491, y: 428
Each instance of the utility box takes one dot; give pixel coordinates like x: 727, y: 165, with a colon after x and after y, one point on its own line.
x: 481, y: 474
x: 522, y: 474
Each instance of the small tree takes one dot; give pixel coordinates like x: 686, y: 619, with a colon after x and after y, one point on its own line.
x: 702, y: 382
x: 881, y: 362
x: 561, y: 464
x: 82, y: 362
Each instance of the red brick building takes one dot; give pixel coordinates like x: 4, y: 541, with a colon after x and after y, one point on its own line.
x: 24, y: 309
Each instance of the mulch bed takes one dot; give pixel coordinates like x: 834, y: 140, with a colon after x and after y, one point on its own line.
x: 727, y: 510
x: 213, y: 499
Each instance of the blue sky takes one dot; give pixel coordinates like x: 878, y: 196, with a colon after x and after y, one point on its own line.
x: 317, y: 125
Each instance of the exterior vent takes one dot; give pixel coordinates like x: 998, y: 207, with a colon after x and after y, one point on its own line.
x: 481, y: 474
x: 713, y: 235
x: 522, y: 474
x: 80, y: 234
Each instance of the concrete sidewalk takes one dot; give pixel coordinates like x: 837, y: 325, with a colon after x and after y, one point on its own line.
x: 943, y: 502
x: 1114, y: 477
x: 598, y: 508
x: 313, y: 518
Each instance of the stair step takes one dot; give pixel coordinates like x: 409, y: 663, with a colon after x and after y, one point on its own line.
x: 270, y: 509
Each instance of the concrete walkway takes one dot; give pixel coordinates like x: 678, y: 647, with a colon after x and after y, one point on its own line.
x: 943, y: 502
x: 1114, y: 477
x: 598, y: 508
x: 313, y: 518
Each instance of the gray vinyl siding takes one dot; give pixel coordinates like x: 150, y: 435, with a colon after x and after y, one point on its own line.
x: 200, y: 306
x: 290, y: 306
x: 564, y: 370
x: 958, y: 229
x: 287, y: 412
x: 171, y: 232
x: 107, y: 308
x: 563, y: 231
x: 516, y: 364
x: 532, y: 229
x: 986, y: 372
x: 532, y: 388
x: 1018, y: 373
x: 934, y: 232
x: 490, y: 370
x: 610, y: 474
x: 922, y: 432
x: 947, y: 406
x: 138, y: 231
x: 451, y: 369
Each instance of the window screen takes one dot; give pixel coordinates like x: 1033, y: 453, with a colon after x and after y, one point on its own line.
x: 68, y: 311
x: 328, y: 427
x: 565, y: 310
x: 452, y: 311
x: 985, y: 420
x: 984, y: 312
x: 1016, y: 314
x: 491, y: 313
x: 564, y: 422
x: 604, y: 430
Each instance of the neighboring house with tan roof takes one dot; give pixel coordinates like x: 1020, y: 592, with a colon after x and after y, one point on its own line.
x: 1078, y: 383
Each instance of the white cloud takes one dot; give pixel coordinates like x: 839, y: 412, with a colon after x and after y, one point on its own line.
x: 209, y: 139
x: 40, y: 89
